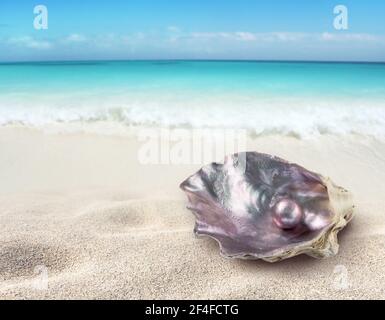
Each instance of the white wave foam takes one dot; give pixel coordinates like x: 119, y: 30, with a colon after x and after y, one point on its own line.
x: 302, y: 117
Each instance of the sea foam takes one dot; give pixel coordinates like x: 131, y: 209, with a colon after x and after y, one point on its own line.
x: 307, y: 116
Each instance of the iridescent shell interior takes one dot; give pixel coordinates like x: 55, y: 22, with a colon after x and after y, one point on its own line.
x: 262, y: 207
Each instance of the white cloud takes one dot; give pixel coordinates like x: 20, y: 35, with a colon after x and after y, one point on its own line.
x: 286, y: 36
x: 250, y: 37
x: 175, y: 35
x: 326, y: 36
x: 272, y: 37
x: 173, y: 29
x: 221, y: 35
x: 174, y: 41
x: 29, y: 42
x: 246, y: 36
x: 75, y: 37
x: 203, y: 35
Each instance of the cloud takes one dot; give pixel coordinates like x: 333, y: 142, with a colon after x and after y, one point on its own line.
x: 175, y: 36
x: 250, y: 37
x: 75, y: 37
x: 246, y: 36
x: 31, y: 43
x: 173, y: 29
x: 175, y: 42
x: 213, y: 35
x: 326, y: 36
x: 285, y: 36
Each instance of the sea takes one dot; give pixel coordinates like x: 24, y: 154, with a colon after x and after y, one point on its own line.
x: 264, y: 97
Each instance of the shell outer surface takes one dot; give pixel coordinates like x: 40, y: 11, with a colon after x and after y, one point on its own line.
x: 257, y: 206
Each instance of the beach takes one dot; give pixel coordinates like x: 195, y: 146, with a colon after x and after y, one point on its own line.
x: 82, y: 218
x: 192, y: 150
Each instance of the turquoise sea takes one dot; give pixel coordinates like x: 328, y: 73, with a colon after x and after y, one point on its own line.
x: 301, y: 98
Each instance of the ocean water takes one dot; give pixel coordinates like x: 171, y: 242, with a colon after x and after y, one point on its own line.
x: 290, y: 98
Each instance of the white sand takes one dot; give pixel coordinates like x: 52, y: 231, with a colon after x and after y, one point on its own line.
x: 81, y: 209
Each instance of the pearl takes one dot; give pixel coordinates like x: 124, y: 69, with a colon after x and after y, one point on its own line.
x: 287, y: 214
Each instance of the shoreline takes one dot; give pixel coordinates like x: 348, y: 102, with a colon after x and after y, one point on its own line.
x: 122, y: 130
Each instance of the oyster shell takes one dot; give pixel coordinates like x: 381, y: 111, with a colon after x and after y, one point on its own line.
x: 259, y: 206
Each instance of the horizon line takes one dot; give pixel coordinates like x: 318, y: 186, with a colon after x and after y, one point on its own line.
x: 192, y: 60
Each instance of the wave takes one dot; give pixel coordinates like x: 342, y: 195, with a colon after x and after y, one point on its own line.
x: 263, y: 116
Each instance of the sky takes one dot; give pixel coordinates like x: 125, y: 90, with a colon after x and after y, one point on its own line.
x: 192, y: 29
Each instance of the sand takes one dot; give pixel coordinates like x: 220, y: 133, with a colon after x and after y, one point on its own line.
x: 81, y: 218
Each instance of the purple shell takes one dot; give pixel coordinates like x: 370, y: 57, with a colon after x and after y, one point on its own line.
x: 259, y: 206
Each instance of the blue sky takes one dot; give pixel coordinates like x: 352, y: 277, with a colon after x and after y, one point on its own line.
x: 192, y: 29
